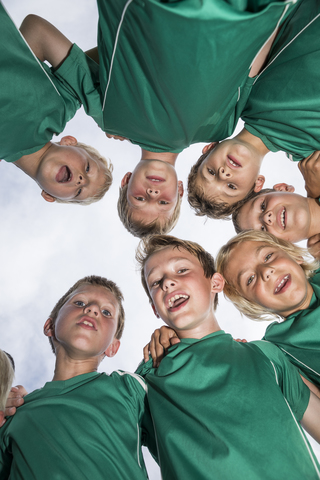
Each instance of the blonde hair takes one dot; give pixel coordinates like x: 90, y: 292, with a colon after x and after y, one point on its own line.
x: 253, y: 310
x: 95, y: 281
x: 150, y: 245
x: 107, y: 169
x: 204, y: 206
x: 140, y: 229
x: 6, y: 377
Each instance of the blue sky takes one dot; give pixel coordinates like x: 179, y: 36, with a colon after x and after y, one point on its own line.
x: 45, y: 248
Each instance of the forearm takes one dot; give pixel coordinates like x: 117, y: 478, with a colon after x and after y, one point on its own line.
x: 311, y: 418
x: 45, y: 40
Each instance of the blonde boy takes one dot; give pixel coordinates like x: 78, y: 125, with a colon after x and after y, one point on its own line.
x: 6, y: 379
x: 36, y: 104
x: 211, y: 397
x: 83, y: 424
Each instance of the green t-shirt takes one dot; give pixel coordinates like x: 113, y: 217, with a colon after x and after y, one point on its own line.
x: 34, y: 103
x: 221, y: 411
x: 283, y: 109
x: 299, y: 335
x: 89, y: 427
x: 174, y: 73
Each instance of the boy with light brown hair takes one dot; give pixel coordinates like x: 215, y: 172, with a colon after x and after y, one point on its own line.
x: 83, y: 423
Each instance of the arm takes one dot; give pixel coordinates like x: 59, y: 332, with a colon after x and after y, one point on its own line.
x: 45, y: 40
x: 311, y: 418
x: 313, y: 245
x: 161, y: 340
x: 93, y: 54
x: 14, y: 400
x: 310, y: 169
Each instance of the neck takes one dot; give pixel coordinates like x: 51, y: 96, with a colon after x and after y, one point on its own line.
x: 202, y: 330
x: 68, y: 367
x: 304, y: 304
x: 253, y: 142
x: 29, y: 164
x: 314, y: 209
x: 167, y: 157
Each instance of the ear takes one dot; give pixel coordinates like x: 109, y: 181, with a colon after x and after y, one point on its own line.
x: 180, y: 188
x: 259, y: 183
x: 126, y: 179
x: 155, y: 311
x: 68, y: 140
x: 210, y: 146
x: 217, y: 282
x: 48, y: 328
x: 113, y: 348
x: 47, y: 196
x: 283, y: 187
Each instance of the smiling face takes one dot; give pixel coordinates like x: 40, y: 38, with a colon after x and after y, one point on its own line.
x: 181, y: 294
x: 285, y: 215
x: 269, y: 277
x: 86, y: 324
x: 230, y: 171
x: 68, y: 172
x: 153, y: 190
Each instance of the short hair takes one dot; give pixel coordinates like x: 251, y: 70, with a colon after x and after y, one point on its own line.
x: 253, y: 310
x: 6, y: 377
x: 155, y: 243
x: 107, y: 173
x: 95, y: 281
x: 203, y: 205
x: 235, y: 213
x: 140, y: 229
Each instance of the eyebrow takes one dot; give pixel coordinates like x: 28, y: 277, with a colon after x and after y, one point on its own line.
x: 258, y: 250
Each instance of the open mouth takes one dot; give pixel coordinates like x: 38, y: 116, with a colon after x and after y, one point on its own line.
x: 64, y: 175
x: 177, y: 301
x: 283, y: 284
x: 155, y: 178
x: 282, y: 218
x: 233, y: 162
x: 87, y: 323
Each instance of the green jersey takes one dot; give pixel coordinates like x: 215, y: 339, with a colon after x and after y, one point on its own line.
x: 175, y: 72
x: 227, y: 410
x: 88, y: 427
x: 299, y: 335
x: 34, y: 103
x: 283, y: 109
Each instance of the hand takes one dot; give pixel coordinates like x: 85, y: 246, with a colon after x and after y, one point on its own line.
x: 313, y: 245
x: 310, y: 169
x: 161, y: 340
x: 116, y: 137
x: 283, y: 187
x: 240, y: 340
x: 14, y: 400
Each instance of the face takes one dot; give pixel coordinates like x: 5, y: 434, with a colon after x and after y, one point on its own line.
x: 229, y: 171
x: 182, y: 296
x: 153, y: 190
x: 285, y: 215
x: 269, y: 277
x: 87, y: 323
x: 68, y: 172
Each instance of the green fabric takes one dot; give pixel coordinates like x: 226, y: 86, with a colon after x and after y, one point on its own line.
x: 34, y: 103
x: 284, y: 105
x: 88, y: 427
x: 219, y: 412
x: 177, y: 69
x: 299, y: 335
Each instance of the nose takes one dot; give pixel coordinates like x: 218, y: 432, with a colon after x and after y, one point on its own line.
x: 224, y: 173
x: 80, y: 179
x: 153, y: 192
x: 167, y: 284
x: 267, y: 272
x: 267, y: 218
x: 91, y: 308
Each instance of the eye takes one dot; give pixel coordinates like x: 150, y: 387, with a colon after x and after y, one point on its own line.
x: 163, y: 202
x: 212, y: 172
x: 88, y: 167
x: 79, y: 303
x: 233, y: 187
x: 263, y: 206
x: 182, y: 270
x: 263, y: 228
x: 267, y: 257
x: 250, y: 279
x: 106, y: 313
x: 140, y: 199
x: 79, y: 191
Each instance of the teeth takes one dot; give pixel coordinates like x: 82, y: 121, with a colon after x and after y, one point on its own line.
x: 282, y: 217
x: 232, y: 162
x: 281, y: 283
x: 176, y: 297
x: 87, y: 323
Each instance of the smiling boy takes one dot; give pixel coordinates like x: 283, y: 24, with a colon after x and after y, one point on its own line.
x: 211, y: 397
x: 35, y: 105
x: 50, y: 436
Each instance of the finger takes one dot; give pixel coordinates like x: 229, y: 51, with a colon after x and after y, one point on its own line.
x: 10, y: 411
x: 146, y: 355
x: 313, y: 240
x: 20, y: 390
x: 175, y: 340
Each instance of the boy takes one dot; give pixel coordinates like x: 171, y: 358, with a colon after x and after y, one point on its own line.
x: 220, y: 407
x: 50, y: 435
x: 286, y: 215
x: 35, y: 105
x: 6, y: 379
x: 281, y: 114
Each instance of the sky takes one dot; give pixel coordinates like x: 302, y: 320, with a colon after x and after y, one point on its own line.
x: 46, y: 247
